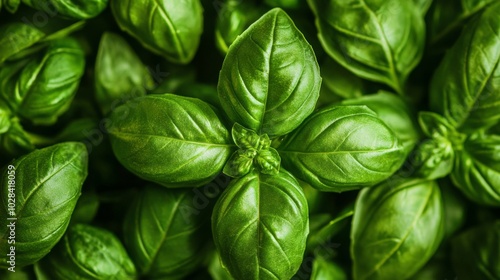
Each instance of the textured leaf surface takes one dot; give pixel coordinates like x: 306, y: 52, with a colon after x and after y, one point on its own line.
x: 88, y: 252
x: 75, y: 9
x: 165, y: 233
x: 260, y: 225
x: 15, y: 37
x: 396, y: 114
x: 168, y: 28
x: 397, y: 227
x: 270, y: 78
x: 477, y: 170
x: 446, y: 17
x: 342, y: 148
x: 47, y: 186
x: 119, y: 73
x: 43, y: 89
x: 379, y: 40
x: 465, y: 88
x: 171, y: 140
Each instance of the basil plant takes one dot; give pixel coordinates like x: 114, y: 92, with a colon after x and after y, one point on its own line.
x: 266, y: 137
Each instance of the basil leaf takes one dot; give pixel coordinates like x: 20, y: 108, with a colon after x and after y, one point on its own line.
x: 464, y: 88
x: 447, y: 17
x: 388, y: 236
x: 16, y: 141
x: 481, y: 245
x: 119, y: 73
x: 270, y: 78
x: 233, y: 18
x: 216, y: 270
x: 256, y: 239
x: 74, y: 9
x: 384, y: 48
x: 43, y: 89
x: 5, y: 115
x: 165, y: 233
x: 15, y: 37
x: 396, y: 114
x: 324, y: 269
x: 342, y: 148
x: 47, y: 186
x: 170, y: 29
x: 88, y: 252
x: 477, y: 169
x: 183, y: 132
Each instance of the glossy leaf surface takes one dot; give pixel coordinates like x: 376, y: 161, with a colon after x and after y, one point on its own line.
x: 397, y: 227
x: 465, y: 88
x: 171, y: 140
x: 165, y: 232
x: 88, y: 252
x: 270, y: 78
x: 171, y: 29
x: 377, y: 40
x: 255, y: 238
x: 43, y: 89
x: 74, y: 9
x: 477, y: 170
x: 342, y: 148
x: 119, y: 73
x: 47, y: 186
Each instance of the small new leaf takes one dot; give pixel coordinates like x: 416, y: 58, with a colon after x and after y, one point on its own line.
x: 239, y: 164
x: 268, y: 161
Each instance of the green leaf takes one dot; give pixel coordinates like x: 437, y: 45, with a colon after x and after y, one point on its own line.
x: 384, y: 48
x: 5, y: 116
x: 172, y: 140
x: 119, y: 73
x: 397, y: 227
x: 165, y: 232
x: 47, y: 186
x: 481, y: 246
x: 255, y: 238
x: 396, y: 114
x: 233, y: 18
x: 88, y: 252
x: 433, y: 125
x: 433, y: 158
x: 270, y: 78
x: 464, y: 88
x: 477, y: 170
x: 342, y: 148
x: 323, y: 269
x: 15, y: 37
x: 170, y: 29
x: 73, y: 9
x: 268, y: 161
x: 447, y: 17
x: 16, y: 141
x: 240, y: 163
x: 43, y: 89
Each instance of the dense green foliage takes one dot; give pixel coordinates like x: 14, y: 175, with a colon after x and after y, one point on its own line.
x: 249, y: 139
